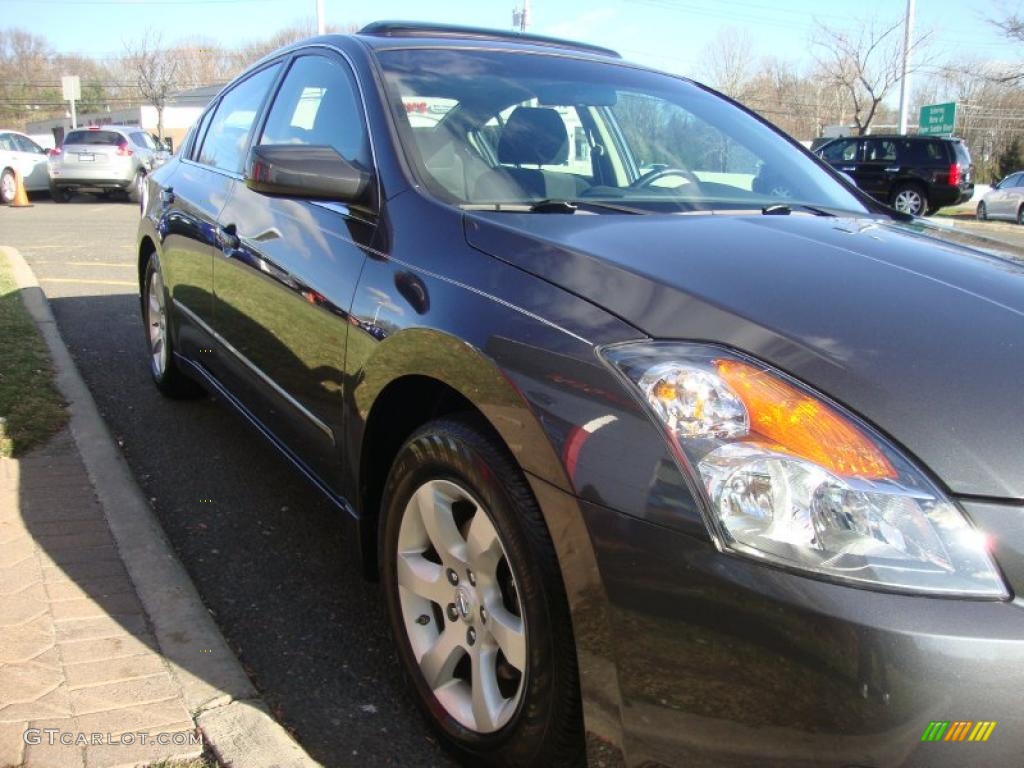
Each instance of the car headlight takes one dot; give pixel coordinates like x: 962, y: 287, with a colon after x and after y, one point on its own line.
x: 792, y: 478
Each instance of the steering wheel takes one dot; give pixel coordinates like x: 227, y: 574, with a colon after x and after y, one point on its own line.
x: 660, y: 173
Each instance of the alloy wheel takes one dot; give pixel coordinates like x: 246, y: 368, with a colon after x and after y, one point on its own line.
x: 909, y: 201
x: 156, y: 317
x: 460, y: 606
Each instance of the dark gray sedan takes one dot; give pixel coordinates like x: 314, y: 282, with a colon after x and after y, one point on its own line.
x: 664, y: 440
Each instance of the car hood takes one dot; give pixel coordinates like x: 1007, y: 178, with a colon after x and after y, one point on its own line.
x: 918, y: 328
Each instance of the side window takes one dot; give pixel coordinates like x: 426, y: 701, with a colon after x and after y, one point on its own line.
x: 317, y: 104
x: 198, y: 130
x: 7, y: 142
x: 1019, y: 181
x: 840, y: 152
x: 226, y: 140
x: 27, y: 145
x: 881, y: 151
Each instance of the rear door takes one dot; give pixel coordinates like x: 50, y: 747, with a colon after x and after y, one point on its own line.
x: 998, y: 201
x: 878, y: 168
x: 285, y: 288
x: 1015, y: 196
x: 191, y: 202
x: 33, y: 162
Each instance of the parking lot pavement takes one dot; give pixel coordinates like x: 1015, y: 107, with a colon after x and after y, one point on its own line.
x: 265, y: 552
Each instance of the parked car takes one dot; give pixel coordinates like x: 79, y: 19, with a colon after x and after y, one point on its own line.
x: 20, y: 153
x: 913, y: 174
x: 104, y: 160
x: 650, y: 461
x: 1005, y: 200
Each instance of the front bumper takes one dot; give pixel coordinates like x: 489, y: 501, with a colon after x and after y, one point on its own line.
x: 721, y: 661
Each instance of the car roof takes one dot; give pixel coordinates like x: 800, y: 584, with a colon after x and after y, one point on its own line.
x: 381, y: 35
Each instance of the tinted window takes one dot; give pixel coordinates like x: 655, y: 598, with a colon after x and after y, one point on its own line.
x: 226, y: 139
x: 105, y: 138
x: 1013, y: 180
x: 317, y: 104
x: 840, y: 152
x: 880, y: 151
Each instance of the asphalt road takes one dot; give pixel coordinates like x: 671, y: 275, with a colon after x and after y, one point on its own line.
x: 265, y: 552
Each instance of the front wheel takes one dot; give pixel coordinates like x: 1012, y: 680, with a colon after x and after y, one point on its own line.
x: 982, y: 214
x: 162, y: 366
x: 476, y: 602
x: 1020, y: 215
x: 910, y: 199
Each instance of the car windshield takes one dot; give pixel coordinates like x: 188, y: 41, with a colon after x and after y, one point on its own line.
x: 484, y: 128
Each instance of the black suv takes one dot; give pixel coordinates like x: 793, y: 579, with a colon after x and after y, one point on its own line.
x: 654, y: 428
x: 913, y: 174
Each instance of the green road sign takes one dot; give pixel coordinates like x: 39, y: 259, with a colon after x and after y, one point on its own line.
x: 937, y: 119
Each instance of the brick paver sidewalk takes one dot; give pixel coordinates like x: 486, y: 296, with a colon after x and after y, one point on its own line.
x: 76, y: 653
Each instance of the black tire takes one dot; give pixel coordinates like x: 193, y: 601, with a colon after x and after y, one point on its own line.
x: 546, y: 728
x: 7, y: 182
x: 59, y: 194
x: 982, y: 213
x: 134, y: 192
x: 910, y: 189
x: 170, y: 380
x: 1020, y: 215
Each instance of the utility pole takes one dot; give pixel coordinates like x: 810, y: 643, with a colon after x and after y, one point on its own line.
x: 908, y: 31
x: 521, y: 17
x: 321, y: 26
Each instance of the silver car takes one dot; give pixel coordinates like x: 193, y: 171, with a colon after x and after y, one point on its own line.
x: 19, y: 153
x: 1005, y: 200
x: 104, y: 159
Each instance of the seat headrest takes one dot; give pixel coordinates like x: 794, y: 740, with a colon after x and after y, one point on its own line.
x: 534, y: 136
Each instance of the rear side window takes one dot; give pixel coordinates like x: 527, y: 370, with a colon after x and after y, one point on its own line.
x: 143, y: 139
x: 226, y: 140
x: 840, y: 152
x: 962, y: 155
x: 102, y: 138
x: 881, y: 151
x: 317, y: 105
x: 26, y: 144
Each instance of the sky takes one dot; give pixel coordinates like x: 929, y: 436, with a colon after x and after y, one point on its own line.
x: 667, y: 34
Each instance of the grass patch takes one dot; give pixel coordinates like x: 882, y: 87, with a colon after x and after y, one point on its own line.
x: 31, y: 409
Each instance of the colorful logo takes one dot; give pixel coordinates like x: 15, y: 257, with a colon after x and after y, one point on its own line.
x: 958, y: 730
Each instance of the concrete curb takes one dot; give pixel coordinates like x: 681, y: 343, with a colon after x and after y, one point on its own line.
x: 235, y: 722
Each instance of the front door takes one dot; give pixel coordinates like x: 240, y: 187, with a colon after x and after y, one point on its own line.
x: 285, y: 285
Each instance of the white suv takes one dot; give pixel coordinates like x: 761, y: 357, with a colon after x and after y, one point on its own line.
x: 104, y: 159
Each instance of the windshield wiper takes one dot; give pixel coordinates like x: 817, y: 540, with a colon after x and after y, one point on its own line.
x: 553, y: 205
x: 784, y: 209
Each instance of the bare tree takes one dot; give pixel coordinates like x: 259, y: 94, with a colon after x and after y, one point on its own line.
x: 728, y: 63
x: 865, y: 63
x: 1011, y: 24
x: 155, y: 70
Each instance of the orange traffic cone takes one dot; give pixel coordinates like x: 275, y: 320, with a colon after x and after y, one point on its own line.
x: 20, y: 195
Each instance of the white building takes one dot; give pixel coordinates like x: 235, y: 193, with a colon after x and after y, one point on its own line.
x: 180, y: 112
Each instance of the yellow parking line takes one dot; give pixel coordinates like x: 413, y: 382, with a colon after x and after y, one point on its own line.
x: 131, y: 283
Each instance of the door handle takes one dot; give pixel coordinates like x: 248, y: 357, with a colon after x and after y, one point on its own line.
x: 167, y: 195
x: 847, y: 169
x: 893, y: 169
x: 227, y: 238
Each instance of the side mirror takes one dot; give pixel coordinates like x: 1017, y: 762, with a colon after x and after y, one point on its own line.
x: 312, y: 172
